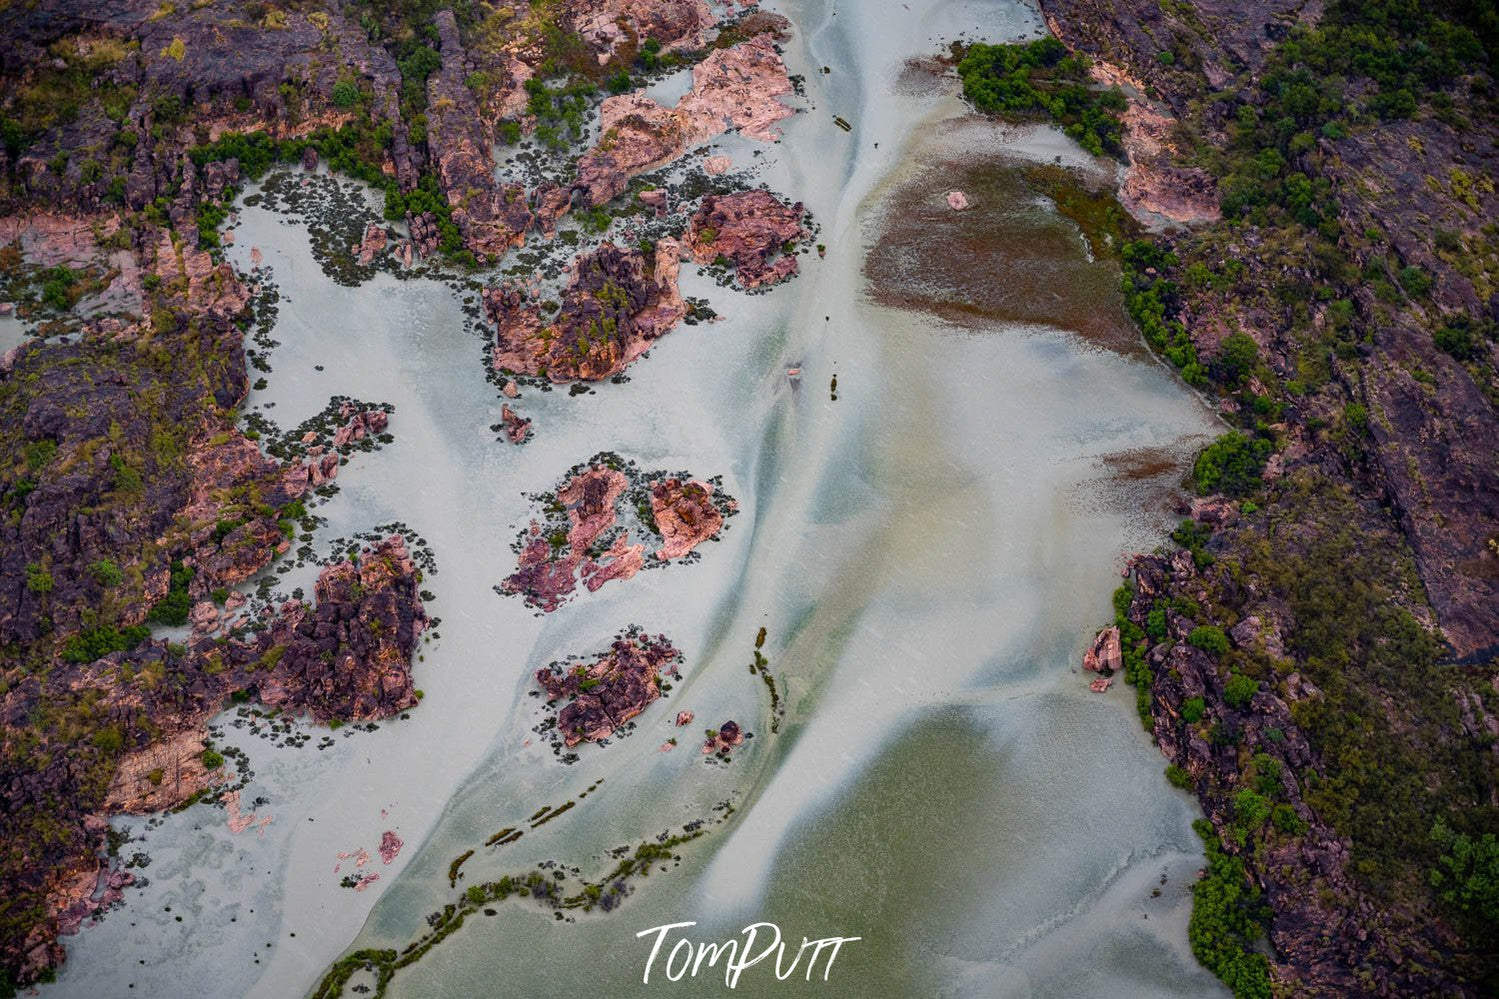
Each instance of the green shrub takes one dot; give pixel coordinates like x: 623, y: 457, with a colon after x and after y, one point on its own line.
x: 345, y: 94
x: 1236, y: 358
x: 1231, y: 465
x: 106, y: 573
x: 1284, y: 818
x: 1227, y: 913
x: 38, y: 580
x: 1192, y: 710
x: 97, y: 642
x: 1210, y: 639
x: 172, y: 609
x: 1178, y: 776
x: 39, y: 454
x: 1467, y: 873
x: 1040, y: 77
x: 1240, y: 690
x: 1251, y: 809
x: 212, y: 759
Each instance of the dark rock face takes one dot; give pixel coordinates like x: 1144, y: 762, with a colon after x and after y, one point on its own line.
x: 210, y: 59
x: 615, y: 306
x: 604, y: 695
x: 112, y: 502
x: 1327, y: 933
x: 750, y: 230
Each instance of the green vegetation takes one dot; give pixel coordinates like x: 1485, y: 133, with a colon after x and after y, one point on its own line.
x: 38, y: 580
x: 1227, y: 918
x: 1210, y: 639
x: 1150, y: 298
x: 172, y: 609
x: 1467, y: 872
x: 1231, y: 465
x: 345, y: 94
x: 1365, y: 61
x: 1240, y: 690
x: 106, y: 573
x: 1039, y: 78
x: 97, y: 642
x: 559, y: 111
x: 212, y: 759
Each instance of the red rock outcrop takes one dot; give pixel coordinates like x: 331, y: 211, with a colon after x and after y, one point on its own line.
x: 517, y: 427
x: 554, y: 558
x: 750, y: 230
x: 1106, y: 654
x: 614, y: 308
x: 605, y: 694
x: 728, y: 736
x: 684, y: 514
x: 492, y: 217
x: 738, y: 87
x: 604, y: 25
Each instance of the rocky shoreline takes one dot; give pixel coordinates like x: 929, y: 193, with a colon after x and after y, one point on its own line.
x: 1326, y: 628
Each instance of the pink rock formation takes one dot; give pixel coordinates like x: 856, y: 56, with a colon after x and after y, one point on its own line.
x: 607, y: 693
x: 725, y: 739
x: 372, y: 244
x: 716, y: 165
x: 390, y: 846
x: 517, y: 428
x: 957, y: 200
x: 750, y: 230
x: 1105, y: 655
x: 684, y: 514
x: 621, y: 561
x: 551, y: 564
x: 359, y: 425
x: 613, y: 309
x: 684, y: 718
x: 737, y: 87
x: 547, y: 577
x: 679, y: 25
x: 1154, y: 187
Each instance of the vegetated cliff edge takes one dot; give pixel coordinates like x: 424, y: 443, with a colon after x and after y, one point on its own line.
x: 1317, y: 656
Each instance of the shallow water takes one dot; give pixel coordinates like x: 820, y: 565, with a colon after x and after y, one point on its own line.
x: 927, y: 553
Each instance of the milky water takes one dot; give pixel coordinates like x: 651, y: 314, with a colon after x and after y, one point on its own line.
x: 926, y: 554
